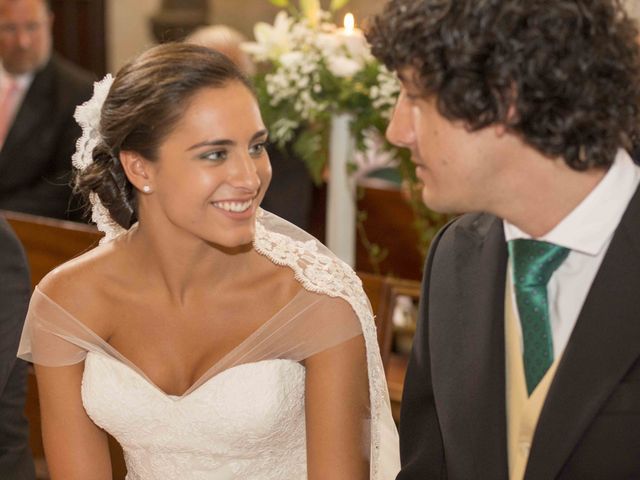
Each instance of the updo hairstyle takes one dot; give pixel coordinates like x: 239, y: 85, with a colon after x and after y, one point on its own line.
x: 147, y: 99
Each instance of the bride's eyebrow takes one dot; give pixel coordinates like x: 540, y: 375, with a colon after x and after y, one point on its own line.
x: 212, y: 143
x: 226, y: 142
x: 261, y: 133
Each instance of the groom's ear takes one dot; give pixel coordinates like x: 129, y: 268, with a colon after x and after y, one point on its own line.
x: 136, y: 168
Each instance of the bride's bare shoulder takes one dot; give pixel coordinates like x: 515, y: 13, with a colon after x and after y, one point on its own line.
x: 82, y: 283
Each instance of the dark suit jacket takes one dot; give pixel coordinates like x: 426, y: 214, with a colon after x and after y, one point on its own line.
x: 15, y: 289
x: 453, y: 420
x: 35, y: 160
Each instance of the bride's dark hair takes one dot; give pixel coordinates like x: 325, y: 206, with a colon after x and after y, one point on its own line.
x: 148, y: 97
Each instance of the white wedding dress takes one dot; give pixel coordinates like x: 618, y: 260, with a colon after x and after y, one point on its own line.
x: 245, y: 418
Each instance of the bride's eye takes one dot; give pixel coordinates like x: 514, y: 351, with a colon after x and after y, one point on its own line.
x: 214, y: 156
x: 257, y: 149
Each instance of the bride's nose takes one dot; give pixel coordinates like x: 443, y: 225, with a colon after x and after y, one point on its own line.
x: 243, y: 173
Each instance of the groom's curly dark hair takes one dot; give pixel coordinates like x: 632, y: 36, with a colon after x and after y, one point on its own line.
x: 562, y: 74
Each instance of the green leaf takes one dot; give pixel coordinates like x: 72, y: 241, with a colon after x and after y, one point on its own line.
x: 280, y: 3
x: 337, y: 4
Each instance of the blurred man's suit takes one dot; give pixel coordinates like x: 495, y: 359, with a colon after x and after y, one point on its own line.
x: 15, y: 288
x: 35, y: 160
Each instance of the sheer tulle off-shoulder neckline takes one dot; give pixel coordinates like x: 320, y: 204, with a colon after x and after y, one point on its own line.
x: 227, y: 362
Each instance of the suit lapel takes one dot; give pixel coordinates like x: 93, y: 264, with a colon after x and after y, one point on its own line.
x: 469, y: 381
x: 603, y: 346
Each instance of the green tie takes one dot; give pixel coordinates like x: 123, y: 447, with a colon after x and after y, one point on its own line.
x: 533, y: 264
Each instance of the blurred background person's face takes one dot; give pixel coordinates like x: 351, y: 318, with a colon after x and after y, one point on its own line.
x: 25, y: 35
x: 227, y: 41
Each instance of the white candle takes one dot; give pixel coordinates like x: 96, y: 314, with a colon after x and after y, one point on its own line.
x: 351, y: 36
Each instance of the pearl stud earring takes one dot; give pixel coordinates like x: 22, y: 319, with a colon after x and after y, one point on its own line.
x: 146, y: 189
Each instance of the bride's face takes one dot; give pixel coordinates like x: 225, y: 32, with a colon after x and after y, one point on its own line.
x: 213, y: 169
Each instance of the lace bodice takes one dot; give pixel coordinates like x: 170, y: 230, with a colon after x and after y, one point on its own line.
x: 244, y: 423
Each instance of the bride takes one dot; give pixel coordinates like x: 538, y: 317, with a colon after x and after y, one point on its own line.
x: 212, y: 339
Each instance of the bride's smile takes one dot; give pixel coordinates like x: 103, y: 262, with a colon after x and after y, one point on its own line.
x: 234, y: 206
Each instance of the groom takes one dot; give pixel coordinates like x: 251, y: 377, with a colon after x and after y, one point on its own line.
x: 526, y: 361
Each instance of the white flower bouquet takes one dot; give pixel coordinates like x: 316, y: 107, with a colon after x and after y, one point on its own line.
x: 314, y: 70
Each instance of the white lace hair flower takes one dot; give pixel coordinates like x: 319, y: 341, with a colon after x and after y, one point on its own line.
x: 88, y: 117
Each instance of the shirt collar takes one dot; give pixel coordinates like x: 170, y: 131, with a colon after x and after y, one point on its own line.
x: 23, y: 80
x: 591, y: 224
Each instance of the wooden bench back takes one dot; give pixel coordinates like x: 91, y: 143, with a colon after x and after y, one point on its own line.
x: 50, y: 242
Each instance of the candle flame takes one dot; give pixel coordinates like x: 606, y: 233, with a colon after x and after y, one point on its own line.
x: 349, y: 23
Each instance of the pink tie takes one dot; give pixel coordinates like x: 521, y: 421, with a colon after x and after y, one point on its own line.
x: 7, y: 108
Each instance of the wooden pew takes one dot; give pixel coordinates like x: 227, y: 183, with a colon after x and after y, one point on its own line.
x: 382, y: 292
x: 49, y: 242
x: 390, y: 224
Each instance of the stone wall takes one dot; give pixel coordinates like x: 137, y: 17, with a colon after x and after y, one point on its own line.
x: 127, y: 29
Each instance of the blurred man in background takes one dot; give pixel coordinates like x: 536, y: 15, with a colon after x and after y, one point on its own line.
x: 38, y: 94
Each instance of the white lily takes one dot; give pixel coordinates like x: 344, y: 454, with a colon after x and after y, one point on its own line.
x: 271, y: 40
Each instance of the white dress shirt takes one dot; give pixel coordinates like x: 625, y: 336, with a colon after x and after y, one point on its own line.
x: 587, y: 232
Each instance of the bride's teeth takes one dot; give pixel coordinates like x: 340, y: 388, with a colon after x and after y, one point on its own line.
x: 235, y: 207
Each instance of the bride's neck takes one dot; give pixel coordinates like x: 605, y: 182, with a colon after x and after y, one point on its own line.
x: 181, y: 264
